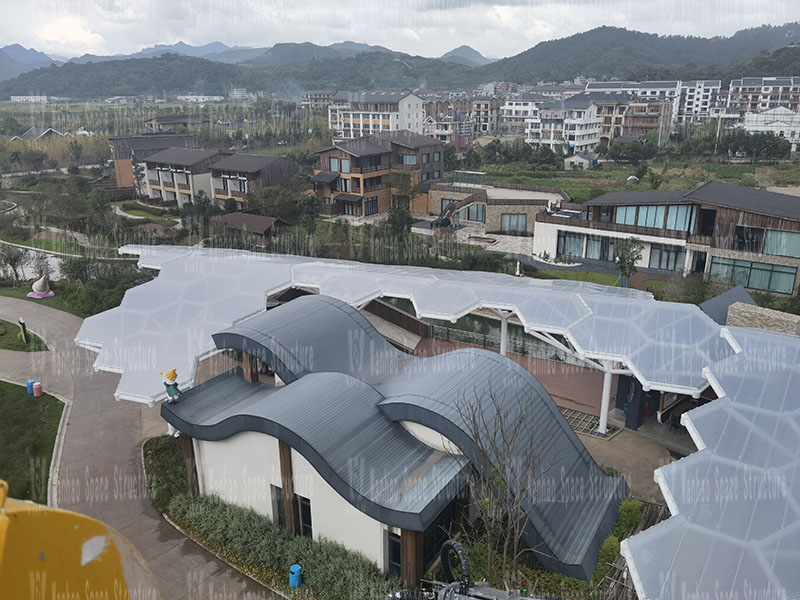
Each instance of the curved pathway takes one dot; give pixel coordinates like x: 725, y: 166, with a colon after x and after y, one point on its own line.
x: 97, y: 462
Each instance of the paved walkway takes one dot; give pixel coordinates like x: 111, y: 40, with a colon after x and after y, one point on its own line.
x: 99, y: 470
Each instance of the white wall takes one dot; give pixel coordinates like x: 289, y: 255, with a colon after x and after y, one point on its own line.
x: 411, y: 105
x: 334, y: 517
x: 202, y: 181
x: 241, y: 468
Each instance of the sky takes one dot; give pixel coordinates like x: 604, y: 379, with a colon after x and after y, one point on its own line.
x: 425, y: 27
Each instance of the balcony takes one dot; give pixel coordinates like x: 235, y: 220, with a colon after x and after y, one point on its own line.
x: 184, y: 187
x: 543, y: 217
x: 373, y: 188
x: 154, y: 183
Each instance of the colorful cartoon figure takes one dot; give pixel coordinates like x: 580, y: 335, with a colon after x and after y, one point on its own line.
x: 171, y: 384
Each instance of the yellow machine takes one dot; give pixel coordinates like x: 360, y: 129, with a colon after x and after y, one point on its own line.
x: 52, y: 553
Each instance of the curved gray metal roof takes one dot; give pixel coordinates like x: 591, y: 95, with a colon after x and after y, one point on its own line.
x: 348, y: 386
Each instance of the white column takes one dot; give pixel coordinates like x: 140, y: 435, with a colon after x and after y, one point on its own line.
x: 504, y: 333
x: 602, y: 426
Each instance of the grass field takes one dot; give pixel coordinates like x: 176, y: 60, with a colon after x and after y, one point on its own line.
x: 27, y: 436
x: 10, y: 340
x: 56, y: 301
x: 601, y: 278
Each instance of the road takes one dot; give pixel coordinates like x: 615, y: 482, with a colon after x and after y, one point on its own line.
x: 98, y: 461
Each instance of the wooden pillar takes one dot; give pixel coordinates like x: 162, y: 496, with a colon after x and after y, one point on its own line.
x: 190, y: 463
x: 250, y: 367
x: 412, y: 544
x: 291, y: 511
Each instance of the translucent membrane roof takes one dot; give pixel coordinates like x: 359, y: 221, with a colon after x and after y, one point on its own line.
x: 736, y: 502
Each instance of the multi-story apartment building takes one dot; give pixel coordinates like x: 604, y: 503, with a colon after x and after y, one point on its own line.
x: 239, y: 95
x: 569, y: 124
x: 728, y: 233
x: 179, y: 174
x: 485, y: 111
x: 698, y: 98
x: 554, y: 91
x: 781, y: 121
x: 516, y: 111
x: 451, y: 127
x: 236, y: 175
x: 611, y: 110
x: 29, y: 99
x: 643, y: 117
x: 168, y: 123
x: 130, y: 154
x: 317, y: 99
x: 353, y: 115
x: 757, y: 94
x: 355, y: 177
x: 644, y: 90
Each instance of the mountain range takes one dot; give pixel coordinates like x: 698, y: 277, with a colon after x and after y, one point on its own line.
x: 290, y: 68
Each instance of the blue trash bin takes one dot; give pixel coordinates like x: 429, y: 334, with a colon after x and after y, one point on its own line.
x: 30, y: 386
x: 295, y: 576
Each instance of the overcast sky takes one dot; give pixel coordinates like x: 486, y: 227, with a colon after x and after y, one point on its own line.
x: 425, y: 27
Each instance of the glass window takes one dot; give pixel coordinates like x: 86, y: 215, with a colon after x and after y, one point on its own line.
x: 782, y: 243
x: 594, y: 247
x: 426, y: 158
x: 437, y: 156
x: 345, y: 165
x: 514, y: 222
x: 424, y: 176
x: 477, y: 212
x: 446, y: 201
x: 754, y: 275
x: 570, y: 244
x: 626, y: 215
x: 748, y: 239
x: 242, y: 185
x: 344, y: 185
x: 407, y: 159
x: 394, y: 554
x: 370, y: 205
x: 651, y: 216
x: 305, y: 516
x: 278, y: 515
x: 681, y: 217
x: 667, y: 258
x: 334, y: 164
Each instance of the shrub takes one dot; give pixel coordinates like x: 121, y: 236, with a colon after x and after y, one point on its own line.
x: 630, y: 513
x: 607, y: 555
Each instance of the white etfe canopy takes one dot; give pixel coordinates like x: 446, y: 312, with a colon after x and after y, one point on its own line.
x: 725, y: 537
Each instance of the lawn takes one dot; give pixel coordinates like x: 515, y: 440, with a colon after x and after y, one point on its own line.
x: 11, y: 340
x: 27, y: 436
x: 656, y: 286
x: 601, y: 278
x: 56, y: 301
x: 63, y: 246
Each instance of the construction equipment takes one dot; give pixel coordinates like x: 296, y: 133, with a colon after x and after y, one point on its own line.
x: 52, y: 553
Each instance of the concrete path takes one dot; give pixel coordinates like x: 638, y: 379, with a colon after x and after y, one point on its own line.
x: 99, y: 470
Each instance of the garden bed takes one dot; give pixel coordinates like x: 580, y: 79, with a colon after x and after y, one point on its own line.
x: 10, y: 339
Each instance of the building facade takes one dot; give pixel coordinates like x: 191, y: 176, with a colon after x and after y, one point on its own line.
x: 237, y: 175
x: 453, y: 128
x: 781, y: 121
x: 353, y: 115
x: 515, y: 112
x: 644, y: 90
x: 698, y: 98
x: 757, y: 94
x: 317, y: 99
x: 29, y: 99
x: 130, y: 154
x: 179, y: 174
x: 727, y: 233
x: 571, y: 124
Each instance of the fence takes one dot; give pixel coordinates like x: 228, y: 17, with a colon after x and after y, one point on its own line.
x: 526, y: 347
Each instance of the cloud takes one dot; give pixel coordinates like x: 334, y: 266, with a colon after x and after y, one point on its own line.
x: 69, y: 35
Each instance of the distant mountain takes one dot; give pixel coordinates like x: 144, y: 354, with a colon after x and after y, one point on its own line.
x: 607, y: 52
x: 26, y: 56
x: 466, y: 55
x: 236, y: 55
x: 285, y: 53
x: 349, y: 48
x: 214, y: 48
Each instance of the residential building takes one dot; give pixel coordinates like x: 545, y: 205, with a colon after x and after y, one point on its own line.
x: 644, y: 90
x: 355, y: 177
x: 179, y: 174
x: 451, y: 127
x: 611, y: 110
x: 697, y: 99
x: 130, y: 153
x: 37, y: 133
x: 643, y: 117
x: 166, y: 123
x: 567, y: 124
x: 728, y: 233
x: 579, y: 161
x: 485, y: 112
x: 236, y: 175
x: 29, y: 99
x: 757, y: 94
x: 488, y: 207
x: 516, y: 111
x: 200, y: 99
x: 318, y: 99
x: 353, y: 115
x: 781, y: 121
x: 239, y: 95
x: 244, y: 224
x: 554, y: 91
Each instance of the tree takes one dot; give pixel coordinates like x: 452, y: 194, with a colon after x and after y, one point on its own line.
x: 13, y: 259
x: 472, y: 159
x: 627, y: 252
x: 35, y: 159
x: 310, y: 208
x: 76, y: 269
x: 40, y: 262
x: 450, y: 159
x: 400, y: 220
x: 506, y: 469
x: 75, y: 151
x: 99, y: 201
x: 654, y: 179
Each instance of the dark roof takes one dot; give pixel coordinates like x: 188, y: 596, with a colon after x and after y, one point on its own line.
x: 181, y: 156
x: 748, y: 199
x: 717, y: 307
x: 142, y: 146
x: 348, y: 198
x: 246, y: 222
x: 408, y: 139
x: 634, y: 198
x: 325, y: 177
x: 371, y: 96
x: 627, y: 138
x: 359, y: 147
x: 245, y: 163
x: 343, y: 412
x: 37, y: 132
